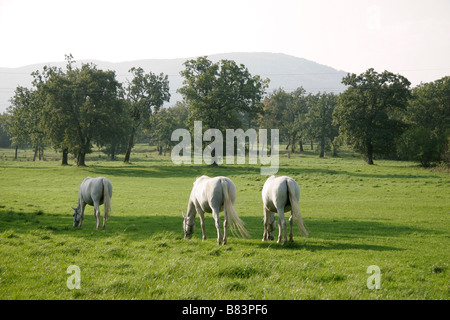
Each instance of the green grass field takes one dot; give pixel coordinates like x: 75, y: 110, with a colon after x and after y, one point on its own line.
x: 394, y: 215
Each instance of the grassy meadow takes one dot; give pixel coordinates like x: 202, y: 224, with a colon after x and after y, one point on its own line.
x: 394, y: 215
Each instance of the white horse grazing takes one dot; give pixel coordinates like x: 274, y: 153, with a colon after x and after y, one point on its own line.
x: 281, y: 194
x: 213, y: 195
x: 95, y: 192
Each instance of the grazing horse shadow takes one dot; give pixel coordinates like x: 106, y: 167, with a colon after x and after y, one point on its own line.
x: 324, y: 233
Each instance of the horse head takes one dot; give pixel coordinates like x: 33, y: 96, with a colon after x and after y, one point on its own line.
x: 187, y: 227
x: 77, y: 219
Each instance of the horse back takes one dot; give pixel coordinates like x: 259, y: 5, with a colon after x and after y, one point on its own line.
x: 275, y: 194
x: 208, y: 193
x: 92, y: 190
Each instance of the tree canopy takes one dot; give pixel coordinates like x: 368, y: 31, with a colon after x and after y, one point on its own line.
x: 221, y: 94
x: 368, y: 112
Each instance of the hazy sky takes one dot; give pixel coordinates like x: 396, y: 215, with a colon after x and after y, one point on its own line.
x: 410, y: 37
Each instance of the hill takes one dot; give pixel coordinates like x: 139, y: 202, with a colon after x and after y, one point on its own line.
x: 283, y: 70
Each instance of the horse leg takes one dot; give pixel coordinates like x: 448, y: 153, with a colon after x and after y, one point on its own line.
x: 225, y: 227
x: 201, y: 214
x: 215, y: 214
x: 104, y: 219
x: 281, y: 226
x: 291, y: 222
x: 83, y: 205
x: 97, y: 214
x: 269, y: 225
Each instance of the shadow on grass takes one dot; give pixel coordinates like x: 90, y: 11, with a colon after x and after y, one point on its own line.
x: 162, y: 168
x: 325, y: 234
x: 300, y: 171
x: 160, y: 171
x: 302, y: 244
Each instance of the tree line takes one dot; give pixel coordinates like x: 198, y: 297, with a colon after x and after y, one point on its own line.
x: 379, y: 115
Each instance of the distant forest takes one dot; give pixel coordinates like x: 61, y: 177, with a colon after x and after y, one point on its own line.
x: 79, y: 108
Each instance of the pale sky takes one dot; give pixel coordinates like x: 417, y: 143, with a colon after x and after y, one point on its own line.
x: 410, y: 37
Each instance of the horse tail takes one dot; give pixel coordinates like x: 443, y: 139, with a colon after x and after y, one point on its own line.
x: 236, y: 222
x: 291, y: 184
x: 106, y: 197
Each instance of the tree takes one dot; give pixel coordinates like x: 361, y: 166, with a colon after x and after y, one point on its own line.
x: 285, y: 111
x: 428, y: 118
x: 275, y: 108
x: 420, y: 144
x: 319, y: 119
x: 221, y: 94
x: 81, y: 106
x: 299, y: 100
x: 164, y: 122
x: 5, y: 140
x: 281, y: 111
x: 368, y: 111
x: 54, y: 90
x: 25, y: 119
x: 145, y: 94
x: 113, y: 139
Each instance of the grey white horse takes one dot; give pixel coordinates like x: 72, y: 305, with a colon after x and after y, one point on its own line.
x: 95, y: 192
x: 281, y: 194
x: 213, y: 195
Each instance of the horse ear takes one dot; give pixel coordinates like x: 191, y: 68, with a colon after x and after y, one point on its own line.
x: 183, y: 214
x: 74, y: 208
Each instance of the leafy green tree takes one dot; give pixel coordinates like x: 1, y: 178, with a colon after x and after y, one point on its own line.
x: 164, y: 122
x: 55, y: 92
x: 5, y: 141
x: 285, y: 111
x: 319, y: 119
x: 221, y: 94
x: 420, y: 144
x: 113, y: 139
x: 25, y: 119
x: 368, y: 111
x: 145, y: 94
x: 81, y: 105
x: 276, y: 110
x: 428, y: 118
x: 299, y: 101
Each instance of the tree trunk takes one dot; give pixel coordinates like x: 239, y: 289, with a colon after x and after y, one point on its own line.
x: 301, y: 146
x: 334, y: 150
x: 130, y: 145
x: 65, y: 157
x: 15, y: 153
x: 36, y: 149
x: 369, y: 153
x: 312, y: 145
x: 81, y: 158
x: 112, y: 156
x: 322, y: 148
x: 213, y: 158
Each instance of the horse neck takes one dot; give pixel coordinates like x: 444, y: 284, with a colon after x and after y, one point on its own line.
x: 80, y: 201
x: 191, y: 210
